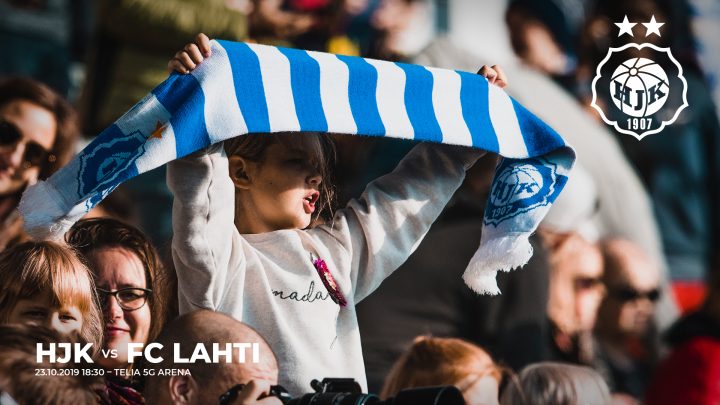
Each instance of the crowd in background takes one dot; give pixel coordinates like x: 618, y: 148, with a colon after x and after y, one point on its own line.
x: 621, y: 301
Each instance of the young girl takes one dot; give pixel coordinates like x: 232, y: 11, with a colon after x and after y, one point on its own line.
x: 44, y: 283
x: 241, y: 245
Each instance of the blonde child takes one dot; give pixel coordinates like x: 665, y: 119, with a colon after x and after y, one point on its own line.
x: 432, y: 361
x: 44, y: 283
x: 242, y: 245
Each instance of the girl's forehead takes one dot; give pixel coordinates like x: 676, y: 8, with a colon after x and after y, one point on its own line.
x: 301, y: 143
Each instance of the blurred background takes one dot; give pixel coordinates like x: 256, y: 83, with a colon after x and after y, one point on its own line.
x: 632, y: 245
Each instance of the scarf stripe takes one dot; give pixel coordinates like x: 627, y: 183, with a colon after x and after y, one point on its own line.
x: 249, y: 88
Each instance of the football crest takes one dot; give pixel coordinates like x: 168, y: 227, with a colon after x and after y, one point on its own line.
x: 642, y: 89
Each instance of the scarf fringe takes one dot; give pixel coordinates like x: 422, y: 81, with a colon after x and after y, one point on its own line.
x: 499, y: 254
x: 42, y: 212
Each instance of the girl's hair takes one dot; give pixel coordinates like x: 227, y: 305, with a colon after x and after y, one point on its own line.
x: 549, y: 383
x: 319, y: 145
x: 434, y: 361
x: 89, y: 235
x: 33, y: 268
x: 20, y: 88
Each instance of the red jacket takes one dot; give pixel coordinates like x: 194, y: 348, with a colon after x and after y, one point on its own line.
x: 691, y: 373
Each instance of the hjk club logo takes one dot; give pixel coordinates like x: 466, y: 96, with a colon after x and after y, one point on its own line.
x: 644, y: 82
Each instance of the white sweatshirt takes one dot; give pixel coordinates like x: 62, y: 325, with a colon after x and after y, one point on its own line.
x: 268, y: 280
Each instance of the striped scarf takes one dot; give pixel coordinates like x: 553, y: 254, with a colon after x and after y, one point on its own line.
x: 246, y: 88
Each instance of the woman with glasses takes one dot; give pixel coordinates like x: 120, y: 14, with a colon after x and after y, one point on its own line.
x: 132, y: 287
x: 38, y: 131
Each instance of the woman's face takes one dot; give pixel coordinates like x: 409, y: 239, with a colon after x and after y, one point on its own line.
x: 115, y: 269
x: 39, y: 310
x: 28, y: 131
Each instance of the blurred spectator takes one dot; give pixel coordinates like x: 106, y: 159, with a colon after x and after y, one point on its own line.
x: 556, y: 383
x: 45, y: 40
x: 446, y: 361
x: 58, y: 383
x: 335, y: 26
x: 625, y: 331
x: 127, y: 63
x: 208, y: 381
x: 132, y: 286
x: 570, y: 232
x: 705, y: 20
x: 38, y: 130
x: 389, y: 21
x: 576, y: 268
x: 45, y: 283
x: 681, y: 165
x: 512, y: 326
x: 576, y: 208
x: 277, y: 22
x: 690, y: 374
x: 545, y: 34
x: 128, y: 58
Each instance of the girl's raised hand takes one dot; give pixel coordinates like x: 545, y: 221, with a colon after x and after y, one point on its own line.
x: 494, y: 74
x: 191, y: 55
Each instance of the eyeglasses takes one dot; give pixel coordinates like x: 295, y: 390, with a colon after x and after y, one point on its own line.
x: 129, y: 299
x: 35, y: 154
x: 627, y: 294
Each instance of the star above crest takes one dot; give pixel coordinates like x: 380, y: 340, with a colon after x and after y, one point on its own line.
x: 626, y: 26
x: 653, y: 27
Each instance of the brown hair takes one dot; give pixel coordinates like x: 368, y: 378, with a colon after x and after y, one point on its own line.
x: 61, y: 383
x: 32, y: 268
x: 549, y: 383
x: 88, y: 235
x: 434, y: 361
x: 253, y: 147
x: 63, y: 149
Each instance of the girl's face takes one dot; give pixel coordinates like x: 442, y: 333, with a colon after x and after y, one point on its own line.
x: 281, y: 192
x: 39, y: 310
x: 117, y: 268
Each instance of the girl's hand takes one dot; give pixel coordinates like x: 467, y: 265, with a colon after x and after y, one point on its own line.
x: 191, y: 55
x: 494, y: 74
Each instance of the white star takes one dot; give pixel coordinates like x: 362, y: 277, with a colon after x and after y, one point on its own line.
x: 653, y: 27
x: 626, y: 27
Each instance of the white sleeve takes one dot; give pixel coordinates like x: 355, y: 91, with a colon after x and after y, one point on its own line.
x: 204, y: 234
x: 380, y: 230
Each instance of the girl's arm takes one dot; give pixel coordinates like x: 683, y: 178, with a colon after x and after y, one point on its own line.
x: 379, y: 231
x: 205, y: 244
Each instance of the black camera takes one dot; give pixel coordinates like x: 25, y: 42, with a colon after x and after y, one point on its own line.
x: 346, y: 391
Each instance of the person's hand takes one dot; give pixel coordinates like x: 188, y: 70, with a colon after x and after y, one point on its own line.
x: 494, y: 74
x: 191, y: 55
x: 254, y: 390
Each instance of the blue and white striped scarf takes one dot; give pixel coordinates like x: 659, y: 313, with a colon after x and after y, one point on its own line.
x: 245, y: 88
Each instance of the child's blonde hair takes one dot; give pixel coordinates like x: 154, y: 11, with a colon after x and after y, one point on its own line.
x: 432, y: 361
x: 32, y: 268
